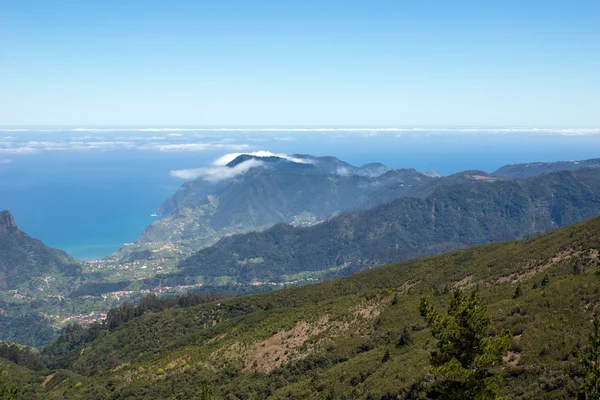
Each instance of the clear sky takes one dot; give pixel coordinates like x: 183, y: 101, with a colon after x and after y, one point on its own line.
x: 287, y: 62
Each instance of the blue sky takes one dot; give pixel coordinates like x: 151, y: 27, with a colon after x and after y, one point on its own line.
x: 367, y: 63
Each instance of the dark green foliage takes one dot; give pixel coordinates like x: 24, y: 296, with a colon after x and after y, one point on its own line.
x: 28, y: 329
x: 545, y: 280
x: 518, y: 291
x: 171, y: 353
x: 453, y: 216
x: 8, y: 391
x: 386, y: 357
x: 465, y: 352
x: 21, y: 355
x: 151, y: 302
x: 206, y: 393
x: 65, y: 349
x: 589, y: 366
x: 405, y: 338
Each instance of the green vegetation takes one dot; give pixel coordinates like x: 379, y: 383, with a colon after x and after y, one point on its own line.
x: 63, y: 351
x: 453, y: 216
x: 8, y: 391
x: 464, y: 353
x: 21, y: 355
x: 28, y: 329
x: 518, y: 291
x: 201, y: 212
x: 42, y: 290
x: 23, y: 258
x: 359, y: 337
x: 26, y: 264
x: 206, y: 393
x: 590, y: 366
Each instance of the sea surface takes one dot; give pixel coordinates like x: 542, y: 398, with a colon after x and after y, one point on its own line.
x: 89, y: 190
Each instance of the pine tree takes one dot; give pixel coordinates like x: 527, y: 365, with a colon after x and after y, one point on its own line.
x: 545, y: 280
x: 404, y: 338
x: 386, y: 357
x: 589, y: 367
x: 465, y: 352
x: 518, y: 291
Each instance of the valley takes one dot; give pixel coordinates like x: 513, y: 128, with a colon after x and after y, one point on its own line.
x: 332, y: 338
x: 426, y: 216
x: 269, y: 200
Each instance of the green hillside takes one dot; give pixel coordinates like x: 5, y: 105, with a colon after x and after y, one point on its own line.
x: 453, y: 216
x: 29, y: 266
x: 272, y: 190
x: 23, y: 257
x: 359, y: 337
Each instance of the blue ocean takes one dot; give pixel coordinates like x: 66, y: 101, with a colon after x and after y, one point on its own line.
x: 89, y: 190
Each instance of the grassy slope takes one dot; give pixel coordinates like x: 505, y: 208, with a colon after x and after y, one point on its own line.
x: 329, y: 339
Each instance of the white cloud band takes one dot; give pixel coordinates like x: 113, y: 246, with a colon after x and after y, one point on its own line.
x: 217, y: 173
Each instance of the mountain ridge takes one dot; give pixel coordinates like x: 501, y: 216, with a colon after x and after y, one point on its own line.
x: 302, y: 190
x: 23, y: 257
x: 7, y: 222
x: 524, y: 170
x: 453, y: 216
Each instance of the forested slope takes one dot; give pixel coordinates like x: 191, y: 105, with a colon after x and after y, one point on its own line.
x: 360, y: 337
x: 452, y: 217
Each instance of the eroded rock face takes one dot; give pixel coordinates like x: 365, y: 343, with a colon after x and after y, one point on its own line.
x: 7, y: 222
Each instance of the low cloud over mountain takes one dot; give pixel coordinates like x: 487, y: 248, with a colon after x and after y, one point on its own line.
x: 221, y: 169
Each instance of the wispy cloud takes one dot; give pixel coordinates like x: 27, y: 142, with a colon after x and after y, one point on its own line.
x: 198, y: 146
x: 178, y: 132
x: 227, y: 158
x: 564, y: 131
x: 220, y: 170
x: 217, y: 173
x: 102, y: 144
x: 343, y: 171
x: 17, y: 150
x: 5, y: 160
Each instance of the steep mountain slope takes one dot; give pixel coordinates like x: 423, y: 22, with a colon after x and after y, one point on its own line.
x: 253, y: 193
x: 27, y: 265
x: 453, y: 216
x: 277, y: 189
x: 23, y: 257
x: 537, y: 168
x: 360, y: 337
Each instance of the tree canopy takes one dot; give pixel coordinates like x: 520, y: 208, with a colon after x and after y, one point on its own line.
x: 465, y: 352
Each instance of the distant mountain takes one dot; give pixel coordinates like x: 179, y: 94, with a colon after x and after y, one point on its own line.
x: 476, y: 208
x: 537, y: 168
x: 23, y: 257
x: 301, y: 190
